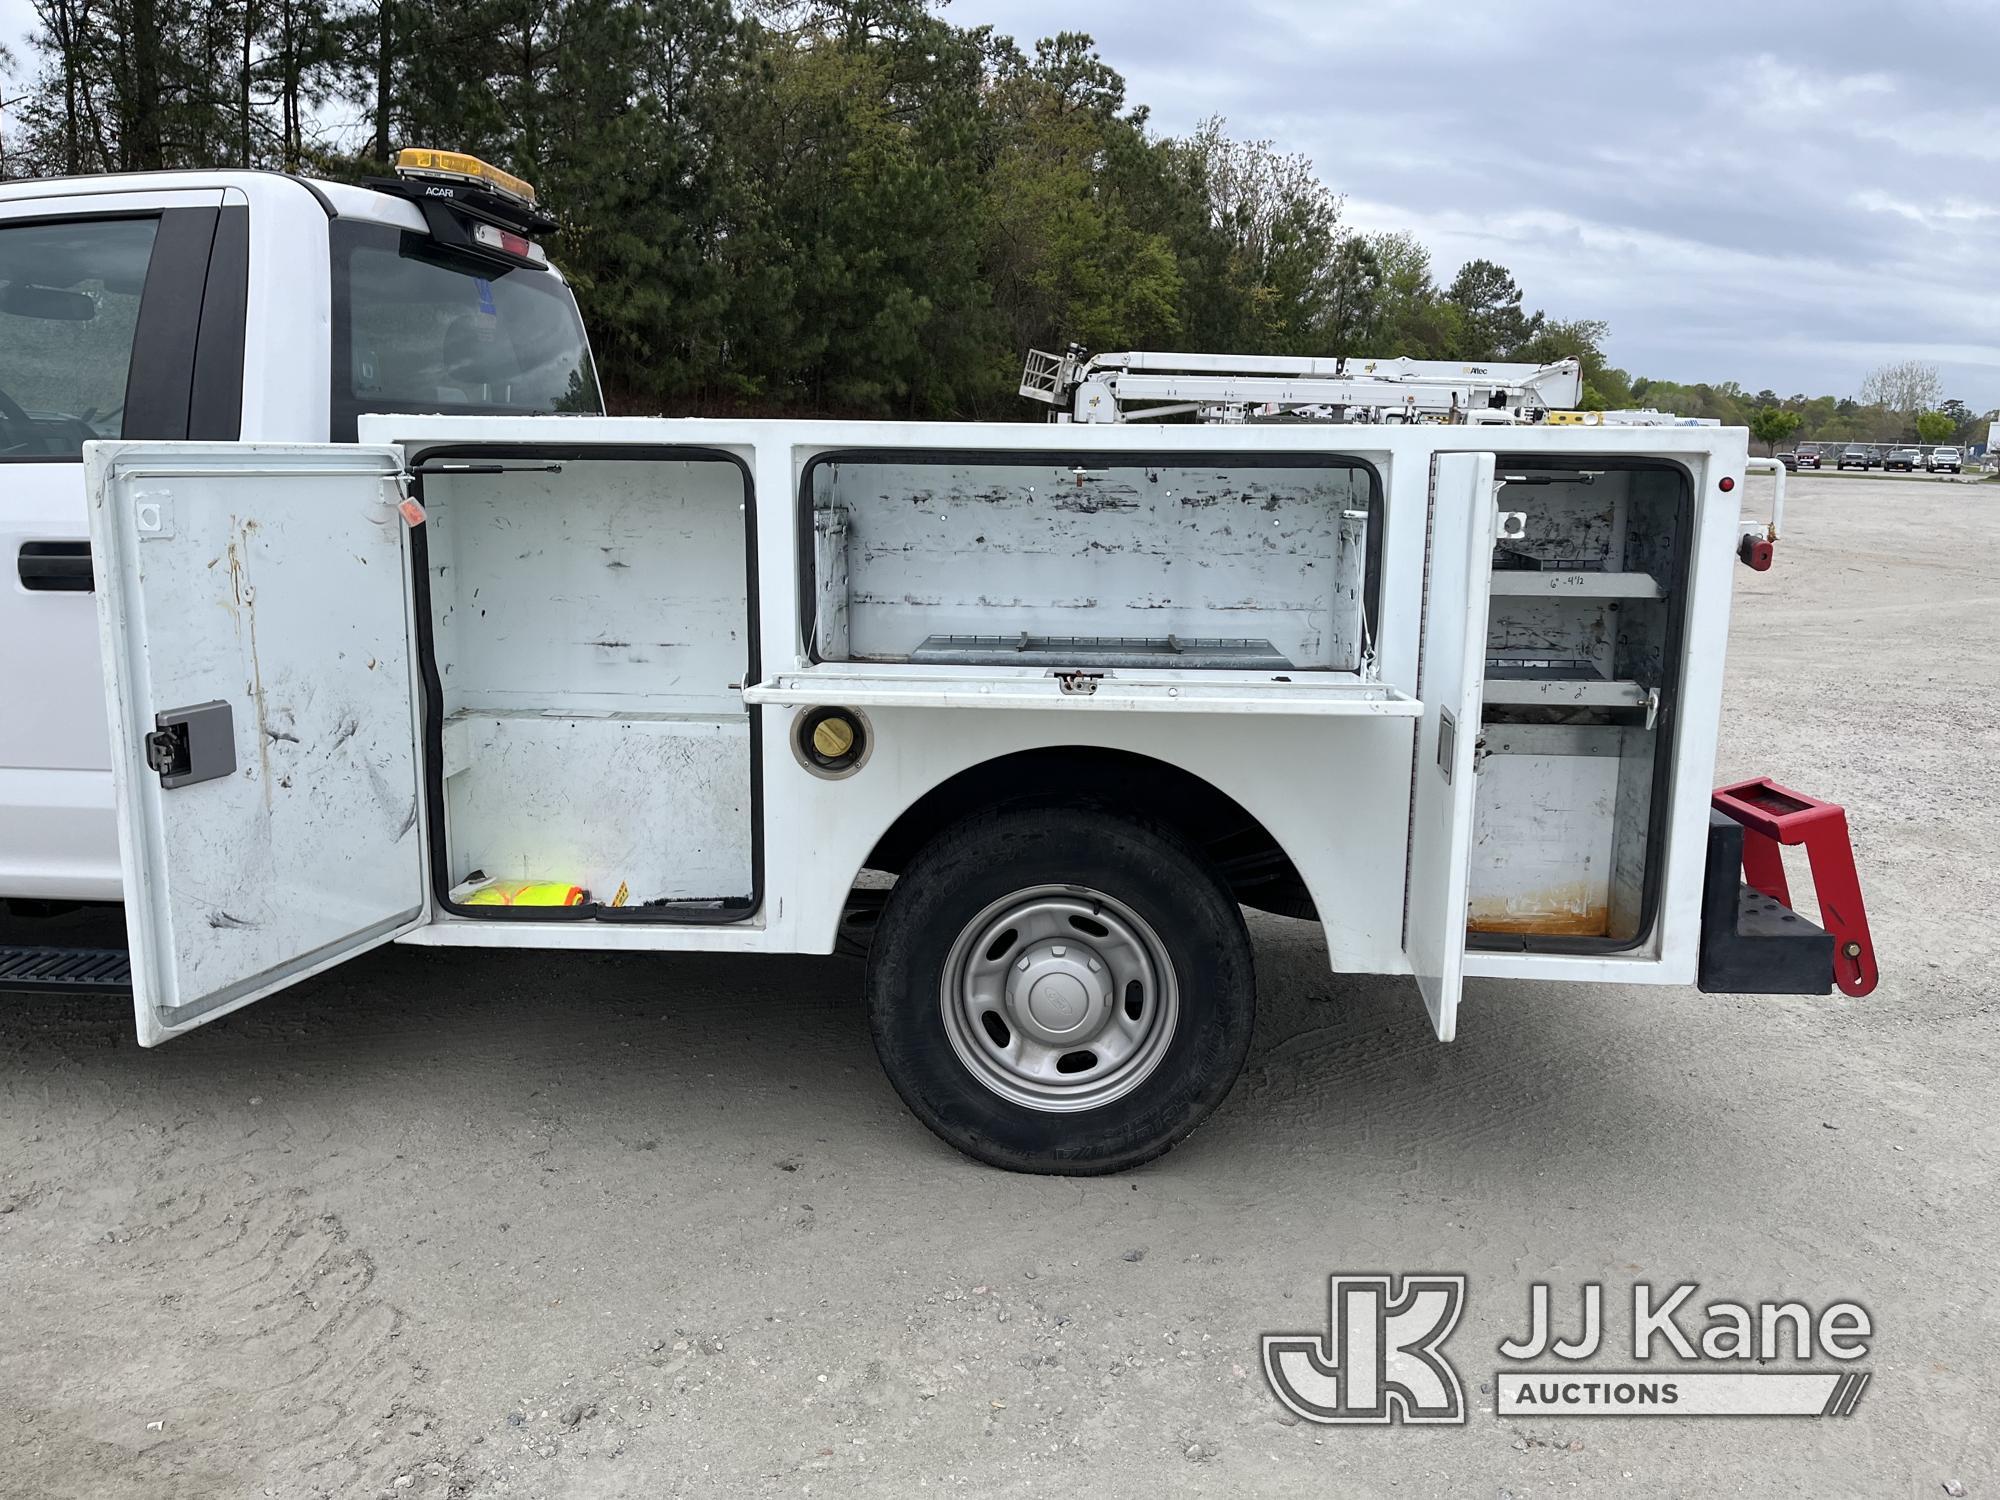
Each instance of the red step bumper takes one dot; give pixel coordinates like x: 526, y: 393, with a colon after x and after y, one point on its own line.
x: 1771, y: 816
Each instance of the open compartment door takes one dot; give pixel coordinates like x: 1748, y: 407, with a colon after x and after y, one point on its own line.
x: 1450, y: 675
x: 253, y: 613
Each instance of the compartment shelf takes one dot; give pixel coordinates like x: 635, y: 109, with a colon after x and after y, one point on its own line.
x: 997, y: 687
x: 1027, y: 649
x: 1558, y: 687
x: 1574, y: 583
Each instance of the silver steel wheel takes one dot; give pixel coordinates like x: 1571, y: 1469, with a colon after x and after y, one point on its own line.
x: 1059, y: 998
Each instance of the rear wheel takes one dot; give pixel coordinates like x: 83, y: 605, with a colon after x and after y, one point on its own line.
x: 1061, y: 989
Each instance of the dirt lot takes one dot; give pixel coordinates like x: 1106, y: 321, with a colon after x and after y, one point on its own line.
x: 476, y: 1225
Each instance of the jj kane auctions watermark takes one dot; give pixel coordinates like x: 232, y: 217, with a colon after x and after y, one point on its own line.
x: 1381, y: 1358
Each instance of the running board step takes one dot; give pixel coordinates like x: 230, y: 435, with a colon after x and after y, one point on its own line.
x: 66, y: 971
x: 1772, y: 816
x: 1752, y: 943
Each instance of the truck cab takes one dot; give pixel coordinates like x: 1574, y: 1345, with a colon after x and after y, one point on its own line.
x: 225, y: 306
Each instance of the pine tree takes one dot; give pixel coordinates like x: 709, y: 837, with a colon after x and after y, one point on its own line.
x: 847, y: 206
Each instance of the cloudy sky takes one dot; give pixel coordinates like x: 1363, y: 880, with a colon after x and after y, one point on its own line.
x: 1786, y: 193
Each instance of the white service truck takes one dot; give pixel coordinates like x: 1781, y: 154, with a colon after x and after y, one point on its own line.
x: 223, y: 306
x: 1085, y: 691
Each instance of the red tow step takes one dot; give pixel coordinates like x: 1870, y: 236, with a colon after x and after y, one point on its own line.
x: 1773, y: 815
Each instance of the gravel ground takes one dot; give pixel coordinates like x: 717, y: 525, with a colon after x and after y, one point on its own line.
x: 467, y: 1224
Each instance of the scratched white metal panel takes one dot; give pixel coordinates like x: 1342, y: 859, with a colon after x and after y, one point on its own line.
x: 1560, y: 630
x: 1332, y: 789
x: 830, y: 583
x: 1544, y: 822
x: 271, y: 577
x: 1127, y: 551
x: 616, y: 585
x: 1571, y: 523
x: 660, y: 804
x: 1632, y: 831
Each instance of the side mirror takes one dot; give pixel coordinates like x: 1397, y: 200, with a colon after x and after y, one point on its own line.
x: 47, y: 303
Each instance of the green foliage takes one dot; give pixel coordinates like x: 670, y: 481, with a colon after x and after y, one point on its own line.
x: 1060, y: 248
x: 1821, y: 419
x: 1412, y: 319
x: 847, y: 206
x: 1771, y: 425
x: 138, y: 85
x: 1488, y: 301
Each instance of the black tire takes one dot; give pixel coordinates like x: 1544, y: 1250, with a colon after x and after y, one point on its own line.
x: 1160, y: 878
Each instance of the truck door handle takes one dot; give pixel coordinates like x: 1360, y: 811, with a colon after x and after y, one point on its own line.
x: 55, y: 567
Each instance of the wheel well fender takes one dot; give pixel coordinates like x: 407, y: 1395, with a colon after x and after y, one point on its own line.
x: 1244, y: 852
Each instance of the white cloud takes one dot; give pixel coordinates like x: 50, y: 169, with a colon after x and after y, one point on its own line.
x: 1770, y: 89
x: 1939, y: 213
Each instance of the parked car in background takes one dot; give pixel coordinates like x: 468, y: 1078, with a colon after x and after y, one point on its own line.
x: 1790, y: 461
x: 1903, y: 458
x: 1946, y: 461
x: 1853, y: 458
x: 1805, y: 458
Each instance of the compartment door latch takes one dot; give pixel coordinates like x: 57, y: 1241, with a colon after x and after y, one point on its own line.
x: 1447, y: 744
x: 192, y: 744
x: 1077, y: 684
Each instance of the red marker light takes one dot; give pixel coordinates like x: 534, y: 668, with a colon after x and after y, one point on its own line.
x: 512, y: 244
x: 1727, y: 484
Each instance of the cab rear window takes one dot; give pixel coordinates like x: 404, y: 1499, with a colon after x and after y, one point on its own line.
x: 417, y: 328
x: 69, y: 311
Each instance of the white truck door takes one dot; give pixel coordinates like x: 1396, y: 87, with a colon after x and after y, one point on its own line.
x: 1450, y: 676
x: 69, y: 346
x: 253, y: 613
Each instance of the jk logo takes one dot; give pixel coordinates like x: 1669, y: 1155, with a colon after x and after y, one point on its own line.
x: 1378, y: 1361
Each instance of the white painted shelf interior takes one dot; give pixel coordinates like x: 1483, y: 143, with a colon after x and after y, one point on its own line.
x: 590, y: 629
x: 1310, y: 694
x: 1574, y: 583
x: 1101, y: 562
